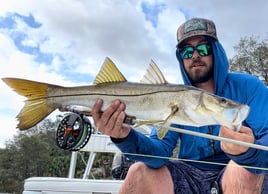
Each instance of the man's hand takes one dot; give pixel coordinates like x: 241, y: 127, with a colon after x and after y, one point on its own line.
x: 110, y: 122
x: 245, y: 134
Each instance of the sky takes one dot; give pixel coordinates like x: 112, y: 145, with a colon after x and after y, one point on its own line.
x: 65, y: 42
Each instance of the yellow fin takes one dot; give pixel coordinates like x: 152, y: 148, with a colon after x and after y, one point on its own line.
x: 161, y: 132
x: 109, y: 73
x: 32, y: 113
x: 35, y: 108
x: 153, y: 75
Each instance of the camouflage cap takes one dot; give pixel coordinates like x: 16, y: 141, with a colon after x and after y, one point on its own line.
x: 194, y: 27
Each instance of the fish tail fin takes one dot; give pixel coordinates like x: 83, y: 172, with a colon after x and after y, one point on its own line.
x: 36, y: 107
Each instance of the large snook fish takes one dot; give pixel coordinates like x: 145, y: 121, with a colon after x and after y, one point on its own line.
x: 151, y: 101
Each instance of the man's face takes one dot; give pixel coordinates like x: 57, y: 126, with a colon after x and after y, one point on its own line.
x: 198, y: 68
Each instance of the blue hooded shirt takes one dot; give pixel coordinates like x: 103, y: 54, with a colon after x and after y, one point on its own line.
x: 243, y: 88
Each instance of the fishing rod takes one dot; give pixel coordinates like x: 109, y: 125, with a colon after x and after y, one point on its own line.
x: 75, y: 129
x: 218, y: 138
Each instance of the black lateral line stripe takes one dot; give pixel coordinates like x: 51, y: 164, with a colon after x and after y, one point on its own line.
x: 100, y: 94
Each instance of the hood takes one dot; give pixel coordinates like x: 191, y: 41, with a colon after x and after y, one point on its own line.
x: 220, y: 63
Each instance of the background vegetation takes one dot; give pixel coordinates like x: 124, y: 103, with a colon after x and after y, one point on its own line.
x: 34, y: 152
x: 251, y: 57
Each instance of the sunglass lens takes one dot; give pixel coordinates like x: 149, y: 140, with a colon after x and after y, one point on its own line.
x: 203, y: 49
x: 187, y: 52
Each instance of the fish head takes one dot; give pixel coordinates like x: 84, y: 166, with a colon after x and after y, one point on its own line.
x: 227, y: 112
x: 200, y: 108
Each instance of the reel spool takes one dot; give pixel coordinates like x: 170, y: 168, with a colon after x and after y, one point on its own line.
x: 73, y: 132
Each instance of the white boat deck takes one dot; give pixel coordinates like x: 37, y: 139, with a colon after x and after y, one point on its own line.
x: 54, y: 185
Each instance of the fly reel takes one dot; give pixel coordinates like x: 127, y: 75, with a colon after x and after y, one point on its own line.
x: 73, y: 132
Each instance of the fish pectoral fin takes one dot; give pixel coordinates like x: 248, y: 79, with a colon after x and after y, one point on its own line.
x: 161, y: 132
x: 174, y: 109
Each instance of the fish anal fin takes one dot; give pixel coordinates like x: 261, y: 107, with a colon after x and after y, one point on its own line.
x: 153, y: 75
x: 109, y: 73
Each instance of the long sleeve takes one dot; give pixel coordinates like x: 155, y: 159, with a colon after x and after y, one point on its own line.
x: 152, y: 151
x: 257, y: 120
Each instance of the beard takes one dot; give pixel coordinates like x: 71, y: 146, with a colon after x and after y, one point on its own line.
x: 202, y: 75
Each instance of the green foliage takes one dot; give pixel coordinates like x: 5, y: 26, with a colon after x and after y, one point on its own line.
x: 32, y: 153
x: 101, y: 168
x: 251, y: 57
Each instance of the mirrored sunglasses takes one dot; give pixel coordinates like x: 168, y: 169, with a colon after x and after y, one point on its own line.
x: 202, y: 49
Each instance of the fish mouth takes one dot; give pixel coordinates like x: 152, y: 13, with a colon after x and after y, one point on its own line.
x: 236, y: 116
x: 241, y: 114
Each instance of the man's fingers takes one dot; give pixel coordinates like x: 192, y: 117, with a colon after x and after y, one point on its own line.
x: 245, y: 130
x: 114, y: 122
x: 110, y: 121
x: 108, y: 118
x: 96, y: 110
x: 245, y: 134
x: 120, y: 119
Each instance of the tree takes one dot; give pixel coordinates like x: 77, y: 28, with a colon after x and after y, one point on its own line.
x: 34, y: 153
x: 251, y: 57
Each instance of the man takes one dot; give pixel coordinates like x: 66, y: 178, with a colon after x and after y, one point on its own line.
x: 203, y: 64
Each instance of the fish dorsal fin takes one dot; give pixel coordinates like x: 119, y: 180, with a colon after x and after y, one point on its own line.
x: 109, y: 73
x: 153, y: 75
